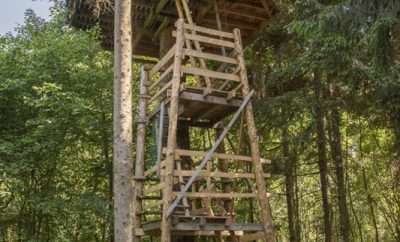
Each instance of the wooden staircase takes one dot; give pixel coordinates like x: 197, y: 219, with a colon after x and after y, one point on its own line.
x: 201, y: 83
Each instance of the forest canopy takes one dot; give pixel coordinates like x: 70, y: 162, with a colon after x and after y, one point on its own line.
x: 327, y: 81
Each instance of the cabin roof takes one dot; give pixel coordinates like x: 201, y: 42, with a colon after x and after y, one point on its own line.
x: 152, y: 16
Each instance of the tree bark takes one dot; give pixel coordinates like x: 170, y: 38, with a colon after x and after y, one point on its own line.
x: 337, y: 156
x: 122, y: 158
x: 290, y: 183
x: 322, y: 161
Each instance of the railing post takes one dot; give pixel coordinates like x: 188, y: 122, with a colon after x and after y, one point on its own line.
x: 172, y: 131
x: 140, y: 151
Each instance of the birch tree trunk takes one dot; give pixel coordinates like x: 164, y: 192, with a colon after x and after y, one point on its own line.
x: 122, y: 157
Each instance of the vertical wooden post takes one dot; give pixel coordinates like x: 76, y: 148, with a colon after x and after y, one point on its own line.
x: 255, y: 150
x: 140, y: 150
x: 122, y: 119
x: 172, y: 131
x: 160, y: 137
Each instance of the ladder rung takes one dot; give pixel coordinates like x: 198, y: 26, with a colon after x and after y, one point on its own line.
x: 208, y: 40
x: 209, y: 31
x: 209, y: 56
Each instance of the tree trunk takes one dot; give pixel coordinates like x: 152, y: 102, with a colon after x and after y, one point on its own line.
x: 290, y: 183
x: 366, y: 189
x: 122, y: 159
x: 336, y: 151
x: 322, y: 161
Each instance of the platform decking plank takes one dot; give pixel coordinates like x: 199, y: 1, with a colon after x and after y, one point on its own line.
x: 192, y: 96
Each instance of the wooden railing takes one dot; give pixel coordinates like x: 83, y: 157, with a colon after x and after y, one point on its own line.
x: 223, y: 77
x: 160, y: 80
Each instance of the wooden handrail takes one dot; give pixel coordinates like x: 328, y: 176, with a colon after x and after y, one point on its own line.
x: 163, y: 61
x: 162, y: 77
x: 166, y: 86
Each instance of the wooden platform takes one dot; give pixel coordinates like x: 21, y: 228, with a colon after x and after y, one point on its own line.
x: 211, y: 108
x: 193, y: 228
x: 203, y: 111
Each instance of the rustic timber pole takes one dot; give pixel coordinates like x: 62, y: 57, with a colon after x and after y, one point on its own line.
x: 172, y: 132
x: 140, y: 150
x: 122, y: 122
x: 255, y: 150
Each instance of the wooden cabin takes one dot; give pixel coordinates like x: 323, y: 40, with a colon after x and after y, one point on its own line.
x: 187, y: 188
x: 153, y: 18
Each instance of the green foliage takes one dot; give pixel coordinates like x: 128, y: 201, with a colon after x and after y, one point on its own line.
x: 55, y: 153
x: 349, y: 45
x: 56, y: 114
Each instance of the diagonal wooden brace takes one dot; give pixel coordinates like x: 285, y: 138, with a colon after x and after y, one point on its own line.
x: 209, y: 154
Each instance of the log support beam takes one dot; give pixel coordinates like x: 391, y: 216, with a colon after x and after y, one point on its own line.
x: 266, y: 213
x: 172, y: 131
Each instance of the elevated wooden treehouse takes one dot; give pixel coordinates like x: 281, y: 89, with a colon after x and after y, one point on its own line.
x: 192, y: 188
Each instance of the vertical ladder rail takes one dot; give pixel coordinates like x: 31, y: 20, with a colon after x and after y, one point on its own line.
x: 255, y: 149
x: 172, y: 132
